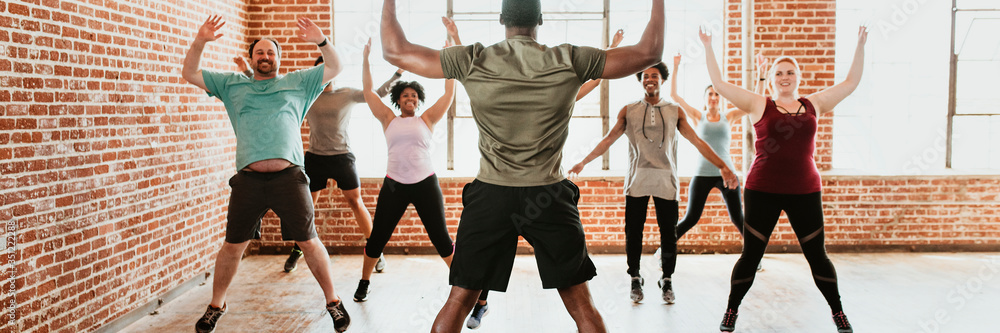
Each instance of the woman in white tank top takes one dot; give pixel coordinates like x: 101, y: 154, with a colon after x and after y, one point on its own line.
x: 410, y: 174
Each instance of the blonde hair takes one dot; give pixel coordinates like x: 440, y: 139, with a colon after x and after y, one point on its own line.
x: 774, y: 70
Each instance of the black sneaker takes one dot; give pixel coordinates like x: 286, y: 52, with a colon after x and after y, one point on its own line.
x: 207, y: 322
x: 668, y: 290
x: 341, y: 321
x: 380, y: 264
x: 364, y: 288
x: 728, y: 321
x: 843, y: 326
x: 293, y: 260
x: 636, y: 293
x: 476, y: 318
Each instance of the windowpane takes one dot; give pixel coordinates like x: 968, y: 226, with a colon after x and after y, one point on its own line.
x: 977, y: 4
x: 356, y: 21
x: 901, y: 92
x: 488, y: 6
x: 466, y: 147
x: 977, y: 45
x: 367, y: 142
x: 977, y: 87
x: 976, y: 142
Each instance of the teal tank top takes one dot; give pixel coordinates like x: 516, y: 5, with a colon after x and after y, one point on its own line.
x: 717, y: 135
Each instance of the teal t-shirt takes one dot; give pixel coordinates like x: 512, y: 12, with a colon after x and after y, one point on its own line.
x: 266, y: 114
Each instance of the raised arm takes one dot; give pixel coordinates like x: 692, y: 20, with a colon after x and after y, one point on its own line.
x: 741, y: 98
x: 728, y: 177
x: 628, y: 60
x: 436, y: 111
x: 449, y: 25
x: 586, y: 88
x: 433, y: 114
x: 309, y: 32
x: 691, y: 111
x: 759, y: 86
x: 242, y: 66
x: 208, y: 32
x: 589, y: 86
x: 825, y: 100
x: 399, y: 52
x: 605, y: 144
x: 381, y: 111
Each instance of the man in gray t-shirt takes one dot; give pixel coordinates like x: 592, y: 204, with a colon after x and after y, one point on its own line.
x: 522, y: 96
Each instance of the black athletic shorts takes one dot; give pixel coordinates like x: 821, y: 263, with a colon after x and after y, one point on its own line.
x: 338, y: 167
x: 283, y: 192
x: 494, y: 216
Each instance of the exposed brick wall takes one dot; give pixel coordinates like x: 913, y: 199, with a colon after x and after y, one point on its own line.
x: 113, y: 168
x: 861, y: 213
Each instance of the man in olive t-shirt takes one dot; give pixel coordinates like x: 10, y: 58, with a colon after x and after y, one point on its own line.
x: 522, y: 95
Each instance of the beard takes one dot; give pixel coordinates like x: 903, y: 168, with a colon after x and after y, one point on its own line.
x: 270, y: 68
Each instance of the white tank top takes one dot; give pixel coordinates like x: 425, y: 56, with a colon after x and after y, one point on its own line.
x: 409, y: 142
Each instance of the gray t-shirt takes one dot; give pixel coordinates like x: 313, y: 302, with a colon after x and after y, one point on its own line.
x: 330, y: 115
x: 522, y: 95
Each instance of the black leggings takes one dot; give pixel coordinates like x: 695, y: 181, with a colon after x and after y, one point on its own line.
x: 697, y: 194
x: 805, y: 214
x: 635, y: 221
x: 393, y: 199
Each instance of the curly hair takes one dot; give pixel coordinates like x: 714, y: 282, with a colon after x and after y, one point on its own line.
x: 664, y: 73
x: 397, y: 91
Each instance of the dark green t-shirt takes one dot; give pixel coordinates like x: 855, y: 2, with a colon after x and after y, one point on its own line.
x: 522, y: 95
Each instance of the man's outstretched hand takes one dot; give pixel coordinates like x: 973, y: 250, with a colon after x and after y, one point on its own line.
x: 209, y: 31
x: 309, y: 31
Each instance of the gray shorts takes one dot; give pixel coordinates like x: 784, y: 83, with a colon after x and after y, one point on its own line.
x: 285, y: 192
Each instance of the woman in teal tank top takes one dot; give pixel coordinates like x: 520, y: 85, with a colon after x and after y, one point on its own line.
x: 713, y: 127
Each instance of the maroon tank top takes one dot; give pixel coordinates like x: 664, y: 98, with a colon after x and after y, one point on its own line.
x: 785, y: 144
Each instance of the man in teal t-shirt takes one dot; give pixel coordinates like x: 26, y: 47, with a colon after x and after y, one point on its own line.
x: 266, y: 112
x: 522, y: 95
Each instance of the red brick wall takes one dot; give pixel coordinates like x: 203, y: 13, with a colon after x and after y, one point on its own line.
x: 861, y: 213
x: 113, y: 168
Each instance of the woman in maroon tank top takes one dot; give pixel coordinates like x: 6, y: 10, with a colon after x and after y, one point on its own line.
x: 783, y: 176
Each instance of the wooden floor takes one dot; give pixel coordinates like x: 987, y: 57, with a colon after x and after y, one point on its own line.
x: 881, y: 292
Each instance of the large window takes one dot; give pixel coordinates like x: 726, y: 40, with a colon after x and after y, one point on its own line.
x: 895, y: 122
x: 975, y: 112
x: 580, y: 22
